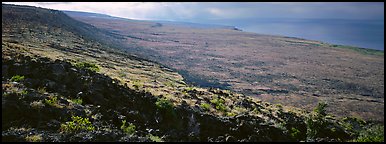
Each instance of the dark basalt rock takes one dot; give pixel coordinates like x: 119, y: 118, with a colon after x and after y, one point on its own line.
x: 107, y: 104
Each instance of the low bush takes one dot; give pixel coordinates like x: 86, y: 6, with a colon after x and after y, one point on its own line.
x: 373, y: 134
x: 52, y: 101
x: 154, y: 138
x: 42, y: 90
x: 166, y: 107
x: 205, y: 106
x: 77, y: 101
x: 77, y: 124
x: 34, y: 138
x: 89, y: 66
x: 130, y: 129
x: 294, y: 132
x: 17, y: 78
x: 219, y: 103
x: 316, y: 122
x: 164, y: 104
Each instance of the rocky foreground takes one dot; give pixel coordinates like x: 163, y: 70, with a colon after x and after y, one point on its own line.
x: 57, y: 101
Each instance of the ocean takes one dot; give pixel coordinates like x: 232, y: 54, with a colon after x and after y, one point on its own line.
x: 358, y: 33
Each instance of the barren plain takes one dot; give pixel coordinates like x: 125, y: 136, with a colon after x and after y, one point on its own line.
x: 277, y: 69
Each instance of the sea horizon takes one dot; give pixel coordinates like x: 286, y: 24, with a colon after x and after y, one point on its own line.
x: 367, y: 34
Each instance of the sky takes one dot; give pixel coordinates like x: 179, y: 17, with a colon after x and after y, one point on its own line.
x: 364, y: 28
x: 207, y: 11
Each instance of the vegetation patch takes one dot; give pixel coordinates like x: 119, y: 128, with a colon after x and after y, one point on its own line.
x: 77, y: 101
x: 17, y: 78
x: 166, y: 107
x: 361, y: 50
x: 37, y: 104
x: 130, y: 129
x: 373, y: 134
x: 316, y: 122
x: 188, y: 89
x: 24, y: 92
x: 219, y: 104
x: 164, y: 104
x: 52, y: 101
x: 42, y: 90
x: 320, y: 110
x: 205, y: 106
x: 294, y: 132
x: 77, y: 124
x: 231, y: 114
x: 154, y: 138
x: 34, y: 138
x: 89, y: 66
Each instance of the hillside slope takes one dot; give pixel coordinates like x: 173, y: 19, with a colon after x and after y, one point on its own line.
x: 14, y: 18
x: 277, y: 69
x: 59, y: 86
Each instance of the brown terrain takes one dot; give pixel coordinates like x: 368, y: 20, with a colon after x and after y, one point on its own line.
x: 65, y: 81
x: 283, y: 70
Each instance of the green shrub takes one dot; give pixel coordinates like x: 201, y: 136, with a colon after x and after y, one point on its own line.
x: 239, y: 109
x: 231, y: 114
x: 42, y: 90
x: 17, y: 78
x: 164, y: 104
x: 188, y: 89
x: 24, y: 92
x: 130, y: 129
x: 352, y: 125
x: 51, y: 101
x: 77, y: 101
x: 154, y: 138
x: 166, y: 107
x: 89, y: 66
x: 205, y: 106
x: 220, y: 104
x: 316, y: 121
x: 184, y: 93
x: 373, y: 134
x: 34, y: 138
x: 294, y: 132
x: 321, y: 109
x: 77, y: 124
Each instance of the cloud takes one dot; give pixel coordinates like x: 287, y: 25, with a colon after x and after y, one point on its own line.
x: 195, y: 11
x: 51, y: 3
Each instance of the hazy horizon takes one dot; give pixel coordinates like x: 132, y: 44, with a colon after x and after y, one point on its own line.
x: 345, y: 23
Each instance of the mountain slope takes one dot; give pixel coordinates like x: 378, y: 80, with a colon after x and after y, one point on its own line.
x: 77, y: 14
x: 277, y: 69
x: 49, y: 21
x: 59, y: 86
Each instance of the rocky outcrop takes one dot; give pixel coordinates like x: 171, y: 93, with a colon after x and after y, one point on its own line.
x: 107, y: 103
